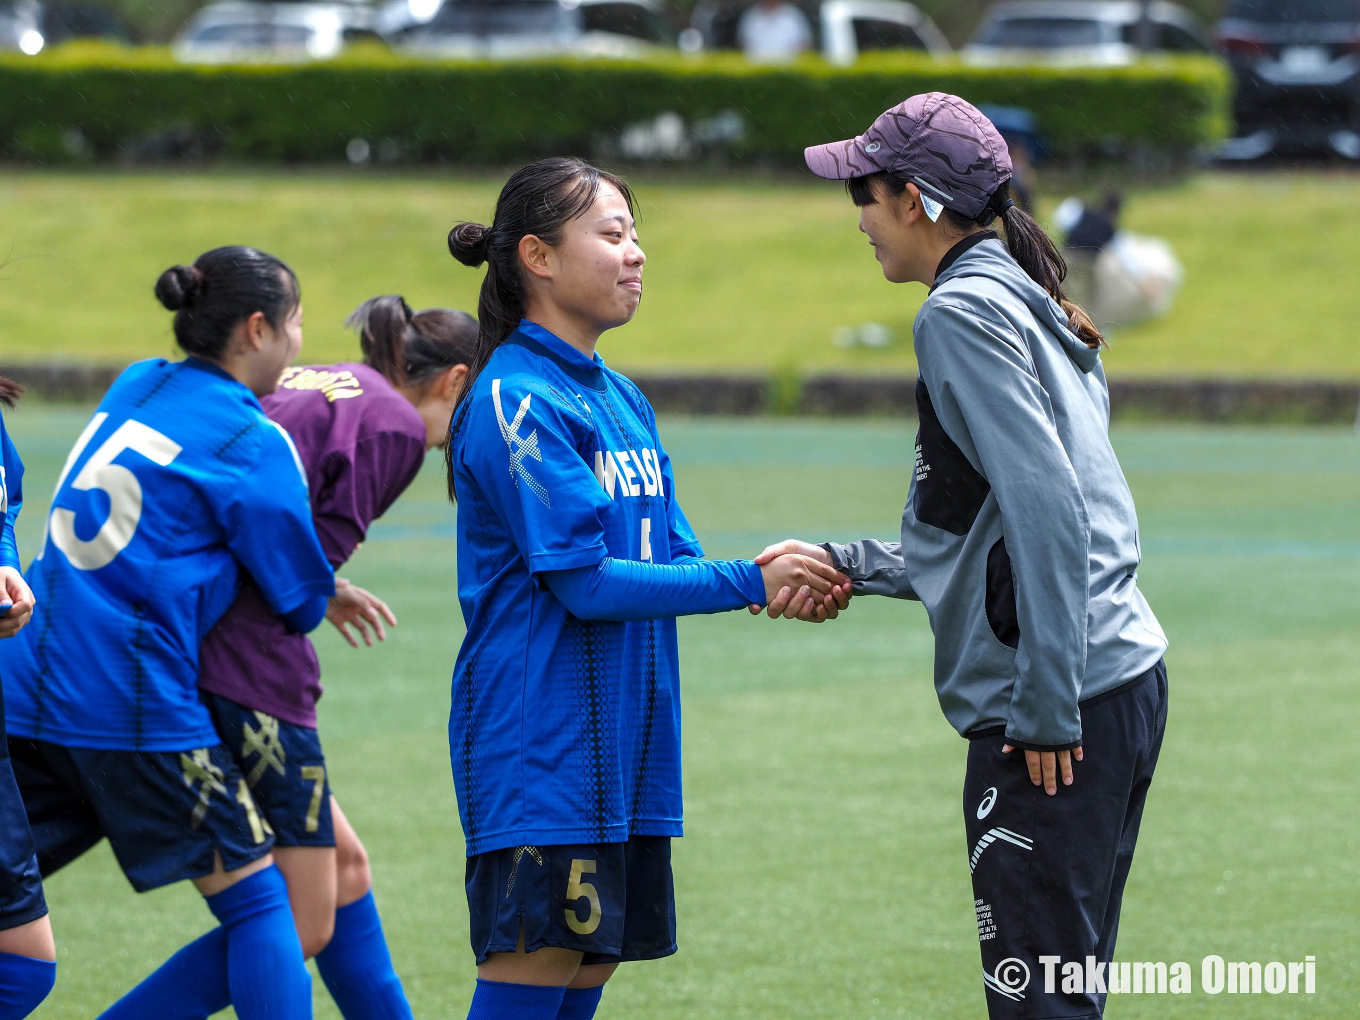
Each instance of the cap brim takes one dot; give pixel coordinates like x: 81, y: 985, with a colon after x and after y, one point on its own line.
x: 839, y: 161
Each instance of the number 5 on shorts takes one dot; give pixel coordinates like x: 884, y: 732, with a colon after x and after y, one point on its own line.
x: 578, y: 890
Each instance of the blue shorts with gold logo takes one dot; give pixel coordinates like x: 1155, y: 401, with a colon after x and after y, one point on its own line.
x: 165, y: 813
x: 614, y: 902
x: 285, y: 769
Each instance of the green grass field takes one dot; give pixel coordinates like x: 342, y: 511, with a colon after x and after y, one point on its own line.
x: 824, y: 874
x: 741, y: 275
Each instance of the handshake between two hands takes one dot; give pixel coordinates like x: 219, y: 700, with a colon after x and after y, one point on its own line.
x: 801, y: 583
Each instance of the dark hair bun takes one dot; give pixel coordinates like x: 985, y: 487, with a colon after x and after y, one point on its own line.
x: 469, y: 242
x: 179, y: 286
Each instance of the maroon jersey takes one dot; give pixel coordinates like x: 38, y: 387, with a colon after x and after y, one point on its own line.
x: 361, y: 444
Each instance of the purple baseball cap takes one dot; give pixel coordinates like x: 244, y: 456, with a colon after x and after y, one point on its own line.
x: 938, y: 142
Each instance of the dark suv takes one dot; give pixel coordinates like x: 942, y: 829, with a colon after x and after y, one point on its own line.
x: 1297, y: 64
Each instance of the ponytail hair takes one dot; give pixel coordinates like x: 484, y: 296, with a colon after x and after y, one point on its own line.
x: 537, y: 200
x: 9, y: 392
x: 1028, y: 243
x: 410, y: 348
x: 1039, y: 257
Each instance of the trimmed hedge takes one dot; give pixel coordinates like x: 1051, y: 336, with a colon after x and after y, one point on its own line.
x: 82, y: 101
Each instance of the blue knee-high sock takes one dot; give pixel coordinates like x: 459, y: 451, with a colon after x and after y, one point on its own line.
x: 24, y: 982
x: 580, y: 1003
x: 357, y: 967
x: 191, y: 985
x: 497, y: 1000
x: 265, y: 969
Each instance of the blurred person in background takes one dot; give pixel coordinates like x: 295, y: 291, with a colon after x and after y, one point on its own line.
x: 1091, y: 234
x: 772, y: 31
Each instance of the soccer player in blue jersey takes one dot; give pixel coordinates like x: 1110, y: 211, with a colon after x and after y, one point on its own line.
x: 178, y: 486
x: 574, y: 558
x: 361, y: 432
x: 27, y: 953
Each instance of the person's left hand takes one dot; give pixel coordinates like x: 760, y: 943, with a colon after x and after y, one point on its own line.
x: 1045, y: 766
x: 804, y: 605
x: 353, y: 605
x: 15, y: 591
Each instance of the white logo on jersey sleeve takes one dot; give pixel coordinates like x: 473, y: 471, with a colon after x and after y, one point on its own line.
x: 519, y: 446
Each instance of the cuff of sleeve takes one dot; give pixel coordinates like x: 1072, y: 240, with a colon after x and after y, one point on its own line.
x: 752, y: 582
x: 568, y: 559
x: 837, y: 554
x: 1029, y: 745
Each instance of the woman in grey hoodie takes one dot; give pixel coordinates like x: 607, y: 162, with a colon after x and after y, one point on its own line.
x: 1021, y: 539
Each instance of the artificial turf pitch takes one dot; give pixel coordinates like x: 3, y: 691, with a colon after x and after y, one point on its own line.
x: 824, y: 874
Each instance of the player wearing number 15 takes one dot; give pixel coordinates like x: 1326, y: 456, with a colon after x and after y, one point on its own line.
x: 177, y: 485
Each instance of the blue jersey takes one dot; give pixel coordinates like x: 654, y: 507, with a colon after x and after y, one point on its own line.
x: 178, y: 478
x: 562, y: 730
x: 11, y: 497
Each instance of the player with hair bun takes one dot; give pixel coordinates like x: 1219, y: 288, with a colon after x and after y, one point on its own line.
x: 361, y: 431
x: 574, y: 558
x: 28, y: 955
x: 177, y: 486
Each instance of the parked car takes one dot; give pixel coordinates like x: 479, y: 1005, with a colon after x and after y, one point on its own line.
x: 842, y: 29
x: 64, y: 22
x: 525, y: 28
x: 1100, y: 33
x: 233, y: 32
x: 1297, y: 64
x: 852, y: 27
x: 21, y: 26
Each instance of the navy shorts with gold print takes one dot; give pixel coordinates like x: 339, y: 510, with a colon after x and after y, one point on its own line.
x: 165, y: 813
x: 284, y: 768
x: 614, y: 902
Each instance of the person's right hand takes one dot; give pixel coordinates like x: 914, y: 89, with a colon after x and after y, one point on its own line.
x: 793, y: 604
x: 18, y: 596
x: 801, y: 579
x: 353, y: 605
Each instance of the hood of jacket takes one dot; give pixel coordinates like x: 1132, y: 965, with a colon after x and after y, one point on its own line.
x: 990, y: 259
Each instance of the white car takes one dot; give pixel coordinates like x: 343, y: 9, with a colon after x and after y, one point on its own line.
x: 525, y: 28
x: 853, y: 27
x: 843, y: 30
x: 230, y: 32
x: 1094, y: 33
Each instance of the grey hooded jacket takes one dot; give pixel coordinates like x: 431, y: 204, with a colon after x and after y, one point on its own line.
x: 1019, y: 534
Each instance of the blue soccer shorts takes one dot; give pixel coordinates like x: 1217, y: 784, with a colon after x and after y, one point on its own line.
x: 165, y: 813
x: 284, y: 768
x: 21, y: 894
x: 614, y: 902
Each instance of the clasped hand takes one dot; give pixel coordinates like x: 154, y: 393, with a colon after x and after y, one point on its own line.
x: 801, y: 583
